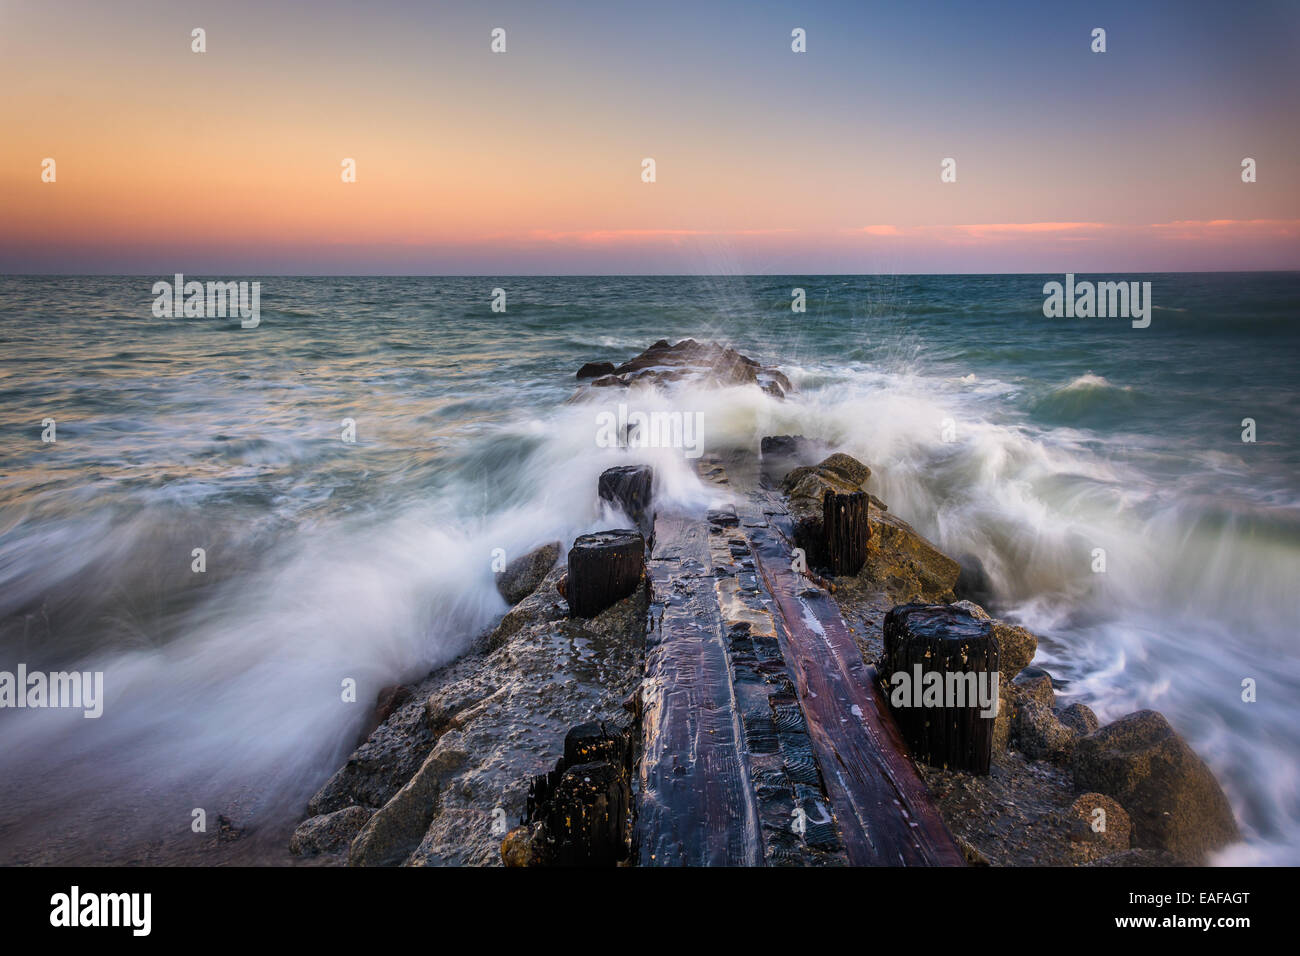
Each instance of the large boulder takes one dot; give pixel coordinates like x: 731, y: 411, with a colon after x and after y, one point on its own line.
x: 523, y: 574
x: 904, y: 564
x: 1171, y: 796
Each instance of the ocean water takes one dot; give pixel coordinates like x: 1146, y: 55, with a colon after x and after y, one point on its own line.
x: 1026, y: 441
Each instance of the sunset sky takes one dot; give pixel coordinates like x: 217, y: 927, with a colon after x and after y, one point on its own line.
x: 529, y: 162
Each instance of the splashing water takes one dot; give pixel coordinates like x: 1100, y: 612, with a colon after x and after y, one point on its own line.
x: 1029, y: 443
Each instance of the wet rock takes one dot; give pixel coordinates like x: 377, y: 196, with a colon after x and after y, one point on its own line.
x: 786, y: 447
x: 1041, y: 735
x: 329, y: 832
x: 1017, y: 646
x: 1012, y: 698
x: 1097, y: 826
x: 1080, y: 719
x: 1036, y: 684
x: 846, y: 467
x: 522, y: 575
x: 709, y: 362
x: 899, y: 560
x: 389, y: 699
x: 378, y: 768
x: 970, y: 607
x: 542, y: 604
x: 596, y: 370
x: 1171, y: 796
x: 1003, y: 722
x: 227, y: 831
x: 399, y: 825
x: 904, y: 564
x: 972, y: 855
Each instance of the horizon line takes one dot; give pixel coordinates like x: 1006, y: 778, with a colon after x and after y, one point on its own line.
x: 628, y: 275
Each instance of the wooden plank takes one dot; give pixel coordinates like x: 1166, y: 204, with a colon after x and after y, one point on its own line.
x: 884, y: 811
x: 696, y: 806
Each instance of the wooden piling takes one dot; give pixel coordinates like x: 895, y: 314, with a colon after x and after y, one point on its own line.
x: 846, y: 531
x: 603, y: 568
x: 937, y: 638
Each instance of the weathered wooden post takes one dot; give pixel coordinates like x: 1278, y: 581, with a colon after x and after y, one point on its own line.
x: 579, y: 814
x: 845, y: 531
x: 630, y: 487
x: 940, y: 669
x: 603, y: 568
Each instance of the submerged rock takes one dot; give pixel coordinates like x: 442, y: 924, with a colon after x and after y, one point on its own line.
x: 1171, y: 796
x: 523, y: 574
